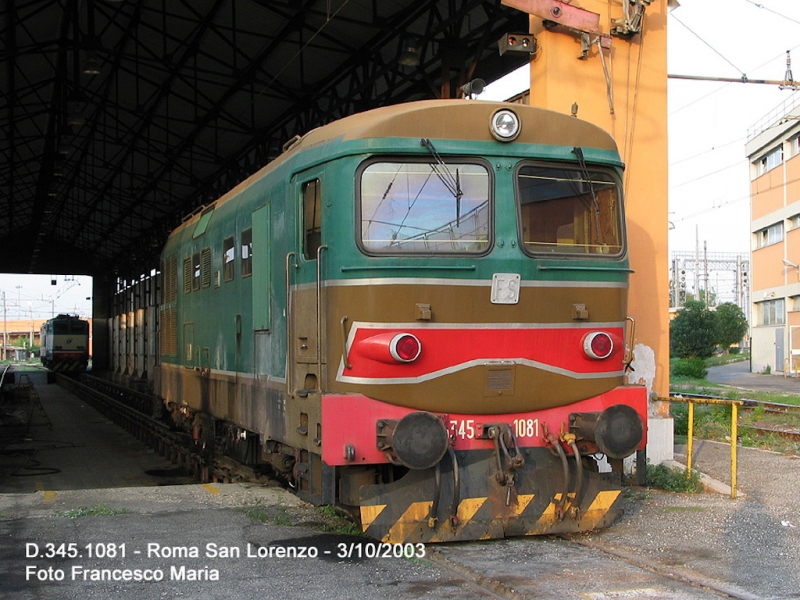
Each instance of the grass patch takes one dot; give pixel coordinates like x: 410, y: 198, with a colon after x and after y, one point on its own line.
x: 673, y: 479
x: 336, y: 522
x: 324, y: 518
x: 101, y: 510
x: 273, y: 515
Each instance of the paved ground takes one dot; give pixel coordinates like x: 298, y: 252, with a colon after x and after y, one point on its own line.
x: 667, y: 546
x: 738, y: 375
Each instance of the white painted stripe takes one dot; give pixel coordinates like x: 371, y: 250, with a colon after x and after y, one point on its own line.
x: 469, y: 364
x: 487, y: 283
x: 224, y: 373
x: 416, y: 325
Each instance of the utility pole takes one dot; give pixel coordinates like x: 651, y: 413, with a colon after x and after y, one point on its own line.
x: 705, y: 272
x: 697, y: 262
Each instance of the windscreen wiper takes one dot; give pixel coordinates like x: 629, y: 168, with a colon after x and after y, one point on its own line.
x: 577, y: 151
x: 452, y: 183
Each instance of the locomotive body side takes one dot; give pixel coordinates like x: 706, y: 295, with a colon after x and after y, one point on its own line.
x: 64, y: 344
x: 405, y: 315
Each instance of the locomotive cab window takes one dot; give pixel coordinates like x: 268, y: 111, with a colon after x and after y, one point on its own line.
x: 424, y: 208
x: 566, y: 210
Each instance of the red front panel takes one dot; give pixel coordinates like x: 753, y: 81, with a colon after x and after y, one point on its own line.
x: 351, y: 420
x: 446, y: 349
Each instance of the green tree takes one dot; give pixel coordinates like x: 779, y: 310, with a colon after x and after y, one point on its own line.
x: 731, y: 324
x: 693, y: 332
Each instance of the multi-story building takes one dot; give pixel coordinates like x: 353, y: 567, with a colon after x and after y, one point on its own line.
x: 773, y: 149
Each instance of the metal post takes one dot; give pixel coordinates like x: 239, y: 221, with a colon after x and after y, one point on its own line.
x: 689, y: 441
x: 734, y: 435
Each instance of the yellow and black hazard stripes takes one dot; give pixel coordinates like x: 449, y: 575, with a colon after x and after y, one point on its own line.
x: 401, y: 512
x: 68, y: 366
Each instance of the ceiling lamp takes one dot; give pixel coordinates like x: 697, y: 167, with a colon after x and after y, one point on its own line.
x: 76, y: 118
x: 92, y: 65
x: 409, y: 57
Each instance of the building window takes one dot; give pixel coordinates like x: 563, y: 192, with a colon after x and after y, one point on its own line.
x: 770, y: 160
x: 794, y: 222
x: 794, y: 144
x: 771, y: 312
x: 794, y: 303
x: 770, y: 235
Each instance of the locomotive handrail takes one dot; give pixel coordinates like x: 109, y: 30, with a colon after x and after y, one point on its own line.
x: 319, y: 316
x: 345, y: 269
x: 289, y: 328
x: 347, y: 365
x: 583, y: 268
x: 630, y: 337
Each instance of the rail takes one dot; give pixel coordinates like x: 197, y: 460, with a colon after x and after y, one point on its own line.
x: 691, y: 401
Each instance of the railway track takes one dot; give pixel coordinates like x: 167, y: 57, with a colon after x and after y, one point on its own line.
x: 749, y: 404
x: 140, y: 415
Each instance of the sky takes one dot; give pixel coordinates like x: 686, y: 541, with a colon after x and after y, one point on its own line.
x: 708, y: 124
x: 34, y: 296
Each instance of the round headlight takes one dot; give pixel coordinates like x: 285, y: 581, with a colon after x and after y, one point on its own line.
x: 505, y: 125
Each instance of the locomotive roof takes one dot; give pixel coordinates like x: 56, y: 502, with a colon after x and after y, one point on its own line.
x: 438, y: 119
x: 461, y: 120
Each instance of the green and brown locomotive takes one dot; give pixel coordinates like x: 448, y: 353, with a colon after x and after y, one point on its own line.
x: 419, y: 312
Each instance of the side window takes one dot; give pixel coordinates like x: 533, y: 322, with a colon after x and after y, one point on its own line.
x: 312, y: 219
x: 247, y: 253
x: 228, y: 257
x: 195, y: 271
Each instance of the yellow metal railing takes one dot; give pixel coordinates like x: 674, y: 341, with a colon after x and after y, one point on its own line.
x: 734, y: 404
x: 788, y: 367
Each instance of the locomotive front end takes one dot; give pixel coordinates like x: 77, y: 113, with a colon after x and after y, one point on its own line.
x: 478, y: 335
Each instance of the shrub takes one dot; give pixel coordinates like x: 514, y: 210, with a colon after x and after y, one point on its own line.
x: 673, y: 479
x: 693, y: 368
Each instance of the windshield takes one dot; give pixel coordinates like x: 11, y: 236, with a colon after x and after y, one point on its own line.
x: 569, y: 210
x: 424, y: 208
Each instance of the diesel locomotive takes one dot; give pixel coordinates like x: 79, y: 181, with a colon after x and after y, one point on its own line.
x: 419, y: 312
x: 64, y: 343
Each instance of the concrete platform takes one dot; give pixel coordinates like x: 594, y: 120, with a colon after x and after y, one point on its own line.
x: 82, y: 450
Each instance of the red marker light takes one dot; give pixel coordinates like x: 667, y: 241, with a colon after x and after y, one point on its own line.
x: 405, y: 347
x: 390, y: 347
x: 598, y: 345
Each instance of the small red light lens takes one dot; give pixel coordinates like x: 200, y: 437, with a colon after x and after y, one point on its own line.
x: 598, y: 345
x: 601, y: 344
x: 406, y: 347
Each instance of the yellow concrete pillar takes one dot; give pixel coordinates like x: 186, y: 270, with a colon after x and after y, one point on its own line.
x: 627, y: 98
